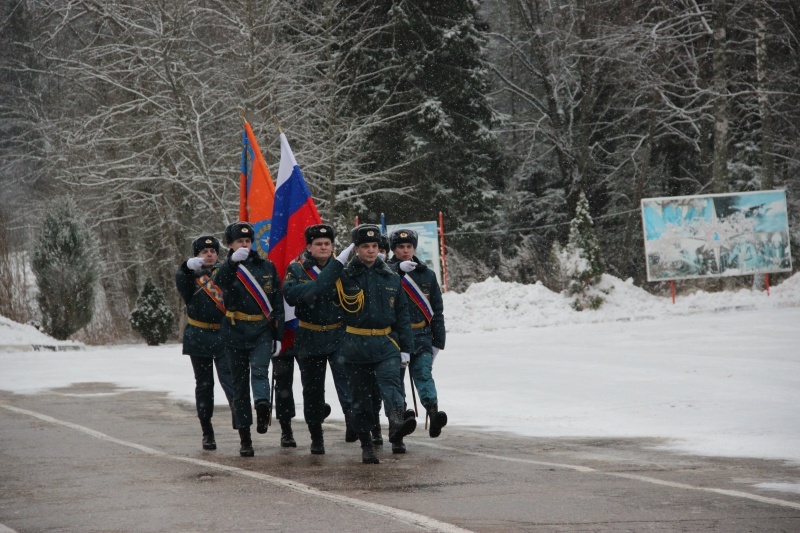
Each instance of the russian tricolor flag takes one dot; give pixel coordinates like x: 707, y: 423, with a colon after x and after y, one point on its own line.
x: 293, y: 211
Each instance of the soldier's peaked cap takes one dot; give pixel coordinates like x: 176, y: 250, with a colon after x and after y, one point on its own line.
x: 206, y: 241
x: 401, y: 236
x: 366, y: 233
x: 319, y: 231
x: 239, y: 230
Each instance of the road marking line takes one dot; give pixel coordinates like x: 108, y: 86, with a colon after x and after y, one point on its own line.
x: 5, y: 529
x: 406, y: 517
x: 635, y: 477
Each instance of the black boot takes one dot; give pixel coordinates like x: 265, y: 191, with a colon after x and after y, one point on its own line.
x: 377, y: 438
x: 367, y: 453
x: 409, y: 413
x: 233, y: 415
x: 263, y: 410
x: 287, y: 438
x: 350, y: 434
x: 247, y: 443
x: 317, y: 442
x: 438, y: 420
x: 398, y: 447
x: 399, y: 427
x: 326, y: 412
x: 208, y: 435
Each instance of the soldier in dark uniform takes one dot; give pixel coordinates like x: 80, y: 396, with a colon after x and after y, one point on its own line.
x: 201, y: 339
x: 377, y: 437
x: 252, y: 329
x: 427, y: 321
x: 310, y: 286
x: 378, y: 337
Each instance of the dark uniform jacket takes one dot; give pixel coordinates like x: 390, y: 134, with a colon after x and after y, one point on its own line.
x: 245, y: 334
x: 385, y: 305
x: 432, y: 334
x: 199, y: 342
x: 315, y: 302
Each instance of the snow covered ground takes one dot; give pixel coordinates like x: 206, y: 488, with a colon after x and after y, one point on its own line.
x: 715, y: 374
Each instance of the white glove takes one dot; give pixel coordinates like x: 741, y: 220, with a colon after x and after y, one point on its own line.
x: 277, y: 348
x: 405, y: 358
x: 382, y: 256
x: 240, y: 255
x: 434, y: 351
x: 342, y: 257
x: 195, y: 263
x: 408, y: 266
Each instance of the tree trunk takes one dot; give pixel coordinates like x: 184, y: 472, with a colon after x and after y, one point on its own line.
x: 719, y: 172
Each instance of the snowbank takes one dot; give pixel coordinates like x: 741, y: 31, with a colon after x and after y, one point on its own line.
x: 495, y: 305
x: 16, y: 337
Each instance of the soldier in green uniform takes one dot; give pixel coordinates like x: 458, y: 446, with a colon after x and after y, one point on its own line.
x: 252, y: 329
x: 310, y: 286
x: 427, y: 321
x: 201, y: 339
x: 378, y: 337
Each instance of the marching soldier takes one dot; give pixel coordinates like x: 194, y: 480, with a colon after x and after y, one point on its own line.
x: 310, y: 286
x: 253, y: 327
x: 427, y: 321
x: 378, y: 337
x: 201, y: 339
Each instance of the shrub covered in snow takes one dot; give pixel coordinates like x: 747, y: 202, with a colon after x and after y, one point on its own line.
x: 65, y: 262
x: 151, y: 317
x: 580, y: 260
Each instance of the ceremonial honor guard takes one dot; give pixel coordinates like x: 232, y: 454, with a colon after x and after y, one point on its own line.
x: 252, y: 329
x: 310, y: 286
x: 201, y: 338
x: 427, y: 321
x: 378, y: 337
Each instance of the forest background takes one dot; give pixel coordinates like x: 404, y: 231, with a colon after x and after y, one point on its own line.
x: 499, y: 114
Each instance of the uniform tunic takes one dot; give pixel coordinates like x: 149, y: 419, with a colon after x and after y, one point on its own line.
x: 384, y: 306
x: 431, y: 334
x: 318, y: 339
x: 249, y: 343
x: 203, y: 345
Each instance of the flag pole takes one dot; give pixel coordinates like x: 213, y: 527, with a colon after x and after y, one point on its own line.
x: 240, y: 110
x: 277, y: 124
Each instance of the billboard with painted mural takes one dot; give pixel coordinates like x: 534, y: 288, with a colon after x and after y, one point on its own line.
x: 428, y: 243
x: 716, y: 235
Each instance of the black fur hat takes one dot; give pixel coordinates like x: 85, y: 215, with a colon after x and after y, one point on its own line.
x: 401, y: 236
x: 366, y: 233
x: 384, y: 244
x: 319, y: 231
x: 239, y: 230
x: 206, y: 241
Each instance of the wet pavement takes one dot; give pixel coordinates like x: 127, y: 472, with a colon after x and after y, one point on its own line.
x: 96, y: 458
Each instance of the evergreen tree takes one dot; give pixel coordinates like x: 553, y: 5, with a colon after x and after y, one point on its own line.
x: 151, y: 317
x: 580, y: 259
x: 65, y: 263
x: 424, y: 68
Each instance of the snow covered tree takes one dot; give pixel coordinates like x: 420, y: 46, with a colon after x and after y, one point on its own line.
x: 65, y: 263
x: 581, y: 261
x: 424, y: 70
x: 151, y: 317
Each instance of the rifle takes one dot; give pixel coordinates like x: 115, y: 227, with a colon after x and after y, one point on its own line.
x: 414, y: 395
x: 271, y: 396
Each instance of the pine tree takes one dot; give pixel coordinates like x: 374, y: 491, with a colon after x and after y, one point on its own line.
x: 426, y: 72
x: 65, y: 263
x: 581, y: 261
x: 151, y: 317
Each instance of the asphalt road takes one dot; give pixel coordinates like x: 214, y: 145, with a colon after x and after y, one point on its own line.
x: 96, y: 458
